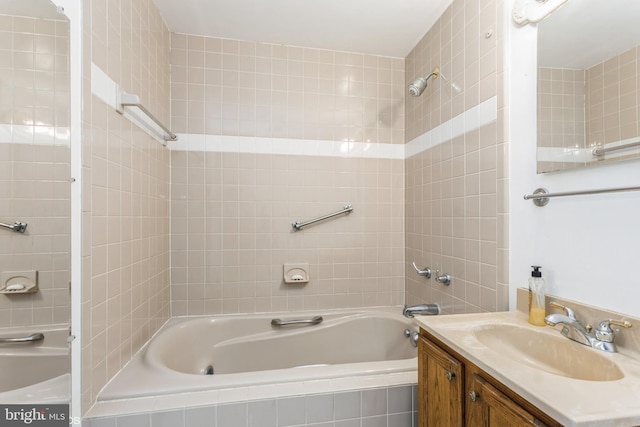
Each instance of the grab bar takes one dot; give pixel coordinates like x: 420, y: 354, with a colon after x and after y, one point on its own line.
x: 313, y: 321
x: 31, y: 338
x: 345, y: 210
x: 18, y: 227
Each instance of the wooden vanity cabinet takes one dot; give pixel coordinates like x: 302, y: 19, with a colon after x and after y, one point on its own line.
x: 488, y: 406
x: 440, y: 387
x: 454, y: 392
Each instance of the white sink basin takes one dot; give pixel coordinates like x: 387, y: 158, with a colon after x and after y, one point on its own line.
x: 551, y: 353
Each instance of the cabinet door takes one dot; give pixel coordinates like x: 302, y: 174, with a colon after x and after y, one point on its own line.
x: 440, y: 387
x: 489, y: 407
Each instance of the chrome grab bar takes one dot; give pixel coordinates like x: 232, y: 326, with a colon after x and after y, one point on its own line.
x: 18, y: 227
x: 298, y: 225
x: 313, y: 321
x: 31, y: 338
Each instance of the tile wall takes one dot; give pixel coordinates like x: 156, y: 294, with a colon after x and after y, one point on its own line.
x: 126, y: 191
x: 456, y: 199
x: 613, y: 92
x: 230, y: 87
x: 232, y: 209
x: 389, y: 406
x: 589, y: 108
x: 34, y: 166
x: 561, y: 107
x: 561, y: 115
x: 464, y: 45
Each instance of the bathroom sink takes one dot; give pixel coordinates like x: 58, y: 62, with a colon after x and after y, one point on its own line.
x: 554, y: 354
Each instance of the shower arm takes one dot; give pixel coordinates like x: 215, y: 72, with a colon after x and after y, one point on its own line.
x: 435, y: 73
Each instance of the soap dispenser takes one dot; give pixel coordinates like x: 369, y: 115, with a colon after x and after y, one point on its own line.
x: 536, y: 297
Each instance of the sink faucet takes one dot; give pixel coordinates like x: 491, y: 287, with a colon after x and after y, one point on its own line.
x: 572, y: 329
x: 423, y: 309
x: 602, y: 339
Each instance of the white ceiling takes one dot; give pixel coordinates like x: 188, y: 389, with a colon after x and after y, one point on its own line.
x: 583, y: 33
x: 31, y: 8
x: 379, y: 27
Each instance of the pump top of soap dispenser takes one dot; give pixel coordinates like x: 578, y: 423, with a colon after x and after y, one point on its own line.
x: 536, y: 271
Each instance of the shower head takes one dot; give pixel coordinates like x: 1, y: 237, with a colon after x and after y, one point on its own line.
x: 420, y: 84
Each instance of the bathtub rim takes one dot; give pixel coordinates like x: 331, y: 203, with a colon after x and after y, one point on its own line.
x: 331, y: 319
x: 182, y: 400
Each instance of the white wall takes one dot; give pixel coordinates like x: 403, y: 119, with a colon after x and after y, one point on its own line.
x: 589, y: 246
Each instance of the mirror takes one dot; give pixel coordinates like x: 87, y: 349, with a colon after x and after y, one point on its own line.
x: 588, y: 84
x: 34, y: 190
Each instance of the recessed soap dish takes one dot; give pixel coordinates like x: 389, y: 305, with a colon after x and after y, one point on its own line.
x: 18, y: 282
x: 296, y: 273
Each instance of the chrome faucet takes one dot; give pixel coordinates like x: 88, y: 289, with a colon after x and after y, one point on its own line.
x: 571, y: 329
x: 603, y: 337
x: 423, y: 309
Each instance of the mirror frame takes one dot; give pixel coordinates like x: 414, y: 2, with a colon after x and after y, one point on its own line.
x: 72, y: 9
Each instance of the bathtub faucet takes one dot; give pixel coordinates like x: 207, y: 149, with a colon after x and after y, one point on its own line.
x: 422, y: 309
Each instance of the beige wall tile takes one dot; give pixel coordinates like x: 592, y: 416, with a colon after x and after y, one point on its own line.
x: 585, y: 108
x: 127, y: 258
x: 452, y: 199
x: 305, y: 93
x: 248, y: 237
x: 231, y: 213
x: 35, y: 177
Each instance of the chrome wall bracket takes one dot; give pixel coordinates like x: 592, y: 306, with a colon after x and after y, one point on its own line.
x: 540, y: 201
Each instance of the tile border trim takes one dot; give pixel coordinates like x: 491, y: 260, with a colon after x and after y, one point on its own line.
x: 474, y: 118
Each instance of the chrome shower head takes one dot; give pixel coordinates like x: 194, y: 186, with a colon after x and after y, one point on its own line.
x: 420, y: 84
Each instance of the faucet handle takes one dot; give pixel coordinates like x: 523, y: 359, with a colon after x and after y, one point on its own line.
x: 426, y: 272
x: 569, y: 312
x: 443, y: 278
x: 622, y: 323
x: 604, y: 331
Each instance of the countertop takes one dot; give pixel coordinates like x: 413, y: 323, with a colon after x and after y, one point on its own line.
x: 572, y: 402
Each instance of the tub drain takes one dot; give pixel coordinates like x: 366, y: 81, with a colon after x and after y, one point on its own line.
x: 208, y: 370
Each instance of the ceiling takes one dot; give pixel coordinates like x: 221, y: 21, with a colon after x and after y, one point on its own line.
x: 378, y: 27
x: 583, y: 33
x: 32, y: 8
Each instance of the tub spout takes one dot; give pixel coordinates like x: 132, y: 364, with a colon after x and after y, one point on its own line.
x: 422, y: 309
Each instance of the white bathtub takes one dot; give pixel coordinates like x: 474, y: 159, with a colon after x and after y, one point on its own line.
x: 247, y: 351
x: 36, y: 372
